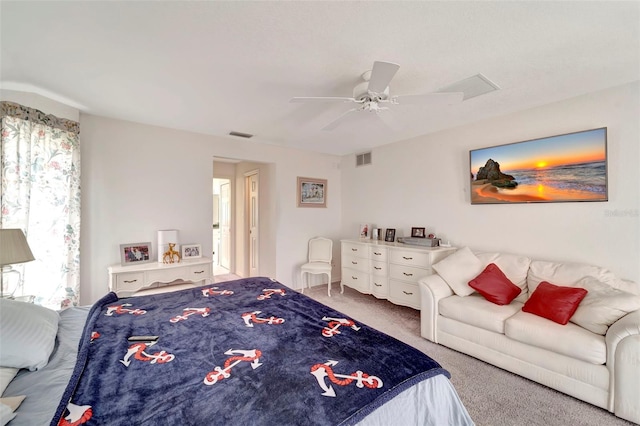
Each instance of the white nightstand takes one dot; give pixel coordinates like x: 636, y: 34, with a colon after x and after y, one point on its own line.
x: 126, y: 280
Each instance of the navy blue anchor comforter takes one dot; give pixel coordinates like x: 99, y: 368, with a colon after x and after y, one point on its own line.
x: 244, y: 352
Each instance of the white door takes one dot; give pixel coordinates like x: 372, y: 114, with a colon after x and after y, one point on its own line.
x: 254, y: 233
x: 225, y: 226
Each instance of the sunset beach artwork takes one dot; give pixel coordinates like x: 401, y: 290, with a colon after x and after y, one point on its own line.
x: 569, y: 167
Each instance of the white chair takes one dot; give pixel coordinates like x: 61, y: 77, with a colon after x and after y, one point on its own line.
x: 320, y: 255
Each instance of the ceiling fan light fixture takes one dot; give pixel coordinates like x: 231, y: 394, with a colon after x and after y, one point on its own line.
x: 473, y: 86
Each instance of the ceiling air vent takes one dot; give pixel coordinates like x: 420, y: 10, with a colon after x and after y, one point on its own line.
x: 241, y: 135
x: 363, y: 159
x: 472, y: 86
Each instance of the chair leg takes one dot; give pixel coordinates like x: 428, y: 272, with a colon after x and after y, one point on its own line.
x: 302, y: 282
x: 329, y: 285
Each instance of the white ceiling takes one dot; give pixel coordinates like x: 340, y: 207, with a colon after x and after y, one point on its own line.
x: 216, y: 67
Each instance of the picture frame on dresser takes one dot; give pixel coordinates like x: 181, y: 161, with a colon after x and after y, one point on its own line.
x: 418, y: 233
x: 390, y: 235
x: 135, y: 253
x: 191, y: 251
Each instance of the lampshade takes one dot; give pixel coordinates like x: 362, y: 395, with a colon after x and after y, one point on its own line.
x: 14, y: 247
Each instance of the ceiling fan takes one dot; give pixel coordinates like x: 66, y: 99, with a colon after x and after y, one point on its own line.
x: 373, y: 92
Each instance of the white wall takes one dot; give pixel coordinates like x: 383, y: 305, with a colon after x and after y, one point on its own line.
x: 137, y: 179
x: 425, y: 182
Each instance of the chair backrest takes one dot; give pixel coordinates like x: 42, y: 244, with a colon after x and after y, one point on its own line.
x: 320, y: 250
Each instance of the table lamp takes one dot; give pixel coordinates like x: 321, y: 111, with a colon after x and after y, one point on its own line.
x: 13, y: 249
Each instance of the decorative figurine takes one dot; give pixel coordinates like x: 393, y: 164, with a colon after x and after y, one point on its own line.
x: 169, y: 255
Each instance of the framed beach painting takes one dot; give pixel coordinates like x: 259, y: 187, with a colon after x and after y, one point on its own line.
x: 562, y: 168
x: 312, y: 192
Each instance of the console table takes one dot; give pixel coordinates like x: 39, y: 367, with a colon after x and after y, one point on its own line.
x: 388, y: 270
x: 126, y: 280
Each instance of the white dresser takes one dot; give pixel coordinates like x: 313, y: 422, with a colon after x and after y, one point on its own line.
x: 388, y: 270
x: 126, y: 280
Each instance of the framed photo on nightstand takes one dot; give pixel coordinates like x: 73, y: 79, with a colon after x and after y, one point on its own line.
x: 135, y: 253
x: 191, y: 251
x: 390, y: 235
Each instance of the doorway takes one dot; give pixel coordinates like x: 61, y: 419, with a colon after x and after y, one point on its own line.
x: 221, y: 226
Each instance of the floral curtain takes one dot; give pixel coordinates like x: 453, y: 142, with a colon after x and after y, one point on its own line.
x: 40, y: 194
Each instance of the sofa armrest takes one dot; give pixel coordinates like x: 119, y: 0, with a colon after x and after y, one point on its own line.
x: 432, y: 289
x: 623, y: 362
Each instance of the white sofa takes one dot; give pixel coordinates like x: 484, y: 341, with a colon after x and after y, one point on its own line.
x: 601, y: 369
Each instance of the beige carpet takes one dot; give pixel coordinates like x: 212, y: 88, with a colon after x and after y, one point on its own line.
x: 493, y: 397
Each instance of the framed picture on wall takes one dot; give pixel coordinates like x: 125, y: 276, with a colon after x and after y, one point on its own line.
x: 312, y: 192
x: 134, y: 253
x: 191, y: 251
x: 563, y: 168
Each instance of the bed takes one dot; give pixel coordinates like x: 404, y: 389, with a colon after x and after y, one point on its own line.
x: 249, y: 351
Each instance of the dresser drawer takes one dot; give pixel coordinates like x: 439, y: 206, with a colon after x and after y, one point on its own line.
x: 356, y: 250
x: 407, y: 273
x: 378, y: 254
x: 199, y: 272
x: 379, y: 268
x: 356, y: 279
x: 380, y: 286
x: 129, y: 281
x: 357, y: 263
x: 403, y: 293
x: 410, y: 258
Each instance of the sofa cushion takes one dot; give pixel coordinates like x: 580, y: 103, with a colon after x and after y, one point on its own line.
x: 570, y: 340
x: 477, y: 311
x: 494, y: 286
x: 567, y: 274
x: 515, y: 267
x: 457, y: 269
x: 603, y: 305
x: 554, y: 302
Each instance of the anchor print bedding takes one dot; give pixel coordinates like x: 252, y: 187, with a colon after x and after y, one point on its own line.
x: 242, y: 352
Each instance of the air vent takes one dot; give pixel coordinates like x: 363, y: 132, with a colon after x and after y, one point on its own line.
x: 363, y: 159
x: 472, y: 86
x: 241, y: 135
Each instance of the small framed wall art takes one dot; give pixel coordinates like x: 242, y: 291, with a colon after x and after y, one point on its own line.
x: 191, y: 251
x: 417, y: 232
x: 312, y: 192
x: 134, y: 253
x: 390, y: 235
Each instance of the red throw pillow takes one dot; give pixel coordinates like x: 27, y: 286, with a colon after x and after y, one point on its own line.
x: 494, y: 285
x: 554, y: 302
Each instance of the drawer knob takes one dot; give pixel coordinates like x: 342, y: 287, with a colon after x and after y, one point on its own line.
x: 407, y: 258
x: 130, y: 281
x: 198, y: 272
x: 354, y: 262
x: 375, y: 267
x: 355, y: 278
x: 377, y: 285
x: 407, y: 275
x: 354, y: 249
x: 377, y: 254
x: 407, y: 293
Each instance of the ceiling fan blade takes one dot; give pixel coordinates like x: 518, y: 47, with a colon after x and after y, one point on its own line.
x: 335, y: 123
x: 438, y: 98
x: 381, y: 75
x: 321, y: 99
